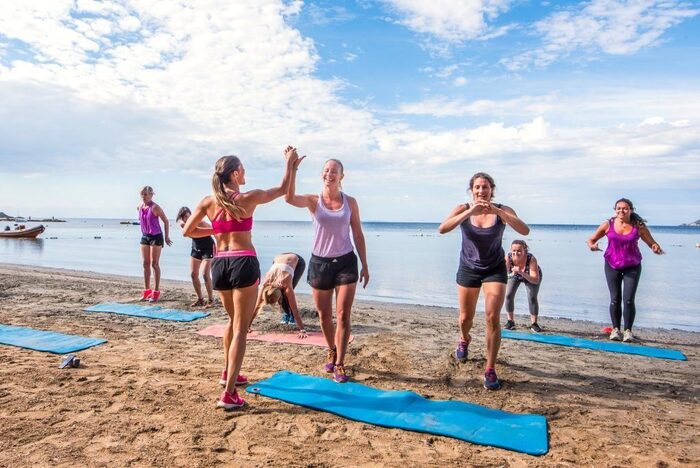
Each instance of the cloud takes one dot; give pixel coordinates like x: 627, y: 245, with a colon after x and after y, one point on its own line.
x: 451, y: 21
x: 616, y: 27
x: 184, y: 80
x: 444, y: 107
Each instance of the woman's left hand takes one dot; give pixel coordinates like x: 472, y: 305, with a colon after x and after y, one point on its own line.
x: 656, y: 248
x: 168, y: 241
x: 302, y: 334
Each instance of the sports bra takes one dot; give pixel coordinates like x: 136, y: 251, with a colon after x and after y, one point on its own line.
x: 283, y: 267
x: 231, y: 225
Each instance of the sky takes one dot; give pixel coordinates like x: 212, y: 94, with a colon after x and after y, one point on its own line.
x: 568, y: 105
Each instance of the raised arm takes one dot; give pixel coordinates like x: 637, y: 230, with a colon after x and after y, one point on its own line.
x: 648, y: 240
x: 508, y: 215
x: 592, y: 241
x: 166, y: 224
x: 260, y: 197
x: 455, y: 218
x: 359, y: 239
x: 300, y: 201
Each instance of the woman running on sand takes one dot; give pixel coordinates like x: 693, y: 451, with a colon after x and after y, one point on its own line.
x: 522, y: 268
x: 278, y: 288
x: 235, y: 268
x: 200, y: 260
x: 481, y: 266
x: 151, y: 242
x: 623, y: 263
x: 333, y: 263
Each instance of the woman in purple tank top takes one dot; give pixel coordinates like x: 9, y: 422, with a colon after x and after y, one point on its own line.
x: 150, y: 215
x: 333, y: 263
x: 481, y: 266
x: 623, y: 263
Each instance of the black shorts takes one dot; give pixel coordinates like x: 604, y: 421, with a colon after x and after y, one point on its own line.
x: 327, y: 273
x: 234, y: 272
x: 152, y: 239
x: 469, y: 278
x: 202, y: 248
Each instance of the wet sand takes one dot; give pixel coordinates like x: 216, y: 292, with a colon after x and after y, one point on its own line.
x: 147, y: 397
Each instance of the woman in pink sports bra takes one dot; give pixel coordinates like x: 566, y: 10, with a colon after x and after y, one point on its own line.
x: 623, y: 263
x: 235, y: 267
x: 150, y: 215
x: 333, y: 263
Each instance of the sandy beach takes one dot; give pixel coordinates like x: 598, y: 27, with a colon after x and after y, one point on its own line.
x: 147, y: 397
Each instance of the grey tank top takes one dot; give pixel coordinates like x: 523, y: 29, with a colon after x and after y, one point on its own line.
x: 482, y: 248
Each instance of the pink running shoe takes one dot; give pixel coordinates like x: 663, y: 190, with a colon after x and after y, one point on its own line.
x: 230, y: 401
x: 146, y: 294
x: 240, y: 380
x: 339, y: 374
x: 155, y: 295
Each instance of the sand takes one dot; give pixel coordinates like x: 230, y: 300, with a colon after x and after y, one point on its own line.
x: 147, y: 397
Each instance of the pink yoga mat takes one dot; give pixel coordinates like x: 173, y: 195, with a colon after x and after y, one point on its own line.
x: 314, y: 338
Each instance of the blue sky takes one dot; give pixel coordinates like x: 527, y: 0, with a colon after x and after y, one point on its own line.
x: 569, y: 105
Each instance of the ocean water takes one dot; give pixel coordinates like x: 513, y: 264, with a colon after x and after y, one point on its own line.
x: 410, y: 263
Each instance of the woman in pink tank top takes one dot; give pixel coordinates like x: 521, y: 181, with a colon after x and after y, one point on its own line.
x: 623, y: 263
x: 333, y: 263
x: 235, y: 269
x: 150, y: 216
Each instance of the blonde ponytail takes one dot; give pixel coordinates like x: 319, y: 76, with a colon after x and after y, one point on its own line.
x: 222, y: 174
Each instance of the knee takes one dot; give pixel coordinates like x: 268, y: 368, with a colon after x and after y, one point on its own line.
x: 206, y: 276
x: 146, y: 264
x: 154, y: 264
x: 465, y: 319
x: 194, y: 275
x: 493, y: 318
x: 343, y: 316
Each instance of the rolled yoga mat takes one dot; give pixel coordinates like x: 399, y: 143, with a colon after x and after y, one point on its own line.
x: 152, y: 312
x: 525, y: 433
x: 47, y: 341
x: 608, y: 346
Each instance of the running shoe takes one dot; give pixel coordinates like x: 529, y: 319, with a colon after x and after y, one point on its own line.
x: 240, y: 380
x: 292, y: 320
x: 535, y: 328
x: 230, y: 400
x: 462, y: 351
x: 285, y: 319
x: 491, y: 381
x: 509, y: 325
x: 155, y: 295
x: 330, y: 357
x: 339, y: 374
x: 628, y: 337
x: 615, y: 335
x: 146, y: 294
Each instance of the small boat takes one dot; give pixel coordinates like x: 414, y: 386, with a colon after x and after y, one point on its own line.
x: 30, y: 233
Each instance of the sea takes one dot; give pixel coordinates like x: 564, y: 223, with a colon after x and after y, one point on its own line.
x: 409, y: 263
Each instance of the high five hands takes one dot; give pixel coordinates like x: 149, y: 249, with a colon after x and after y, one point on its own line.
x: 290, y: 152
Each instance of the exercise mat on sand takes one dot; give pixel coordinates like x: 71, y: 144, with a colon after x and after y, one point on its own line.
x: 609, y: 346
x: 152, y: 312
x: 525, y: 433
x: 47, y: 341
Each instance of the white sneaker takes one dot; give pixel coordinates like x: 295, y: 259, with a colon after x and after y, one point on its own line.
x: 615, y: 335
x: 628, y: 337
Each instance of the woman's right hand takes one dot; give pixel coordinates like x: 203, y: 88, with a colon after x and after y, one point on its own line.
x: 594, y: 247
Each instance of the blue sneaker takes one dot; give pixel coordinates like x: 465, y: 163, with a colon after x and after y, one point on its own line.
x: 292, y: 320
x: 462, y: 351
x: 285, y: 318
x: 491, y: 381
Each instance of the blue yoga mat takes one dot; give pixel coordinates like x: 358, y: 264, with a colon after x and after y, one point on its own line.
x: 609, y: 346
x: 525, y: 433
x: 48, y: 341
x: 154, y: 312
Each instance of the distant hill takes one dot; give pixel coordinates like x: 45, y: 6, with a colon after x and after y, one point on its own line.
x: 3, y: 215
x: 694, y: 224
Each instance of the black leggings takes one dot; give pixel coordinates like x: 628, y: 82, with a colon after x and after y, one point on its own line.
x: 615, y: 278
x: 532, y: 290
x: 298, y: 273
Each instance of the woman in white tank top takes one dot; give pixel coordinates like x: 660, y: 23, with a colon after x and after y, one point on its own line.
x: 333, y: 265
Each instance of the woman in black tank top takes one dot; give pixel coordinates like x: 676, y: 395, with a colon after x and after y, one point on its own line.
x: 481, y: 266
x: 200, y: 260
x: 522, y: 268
